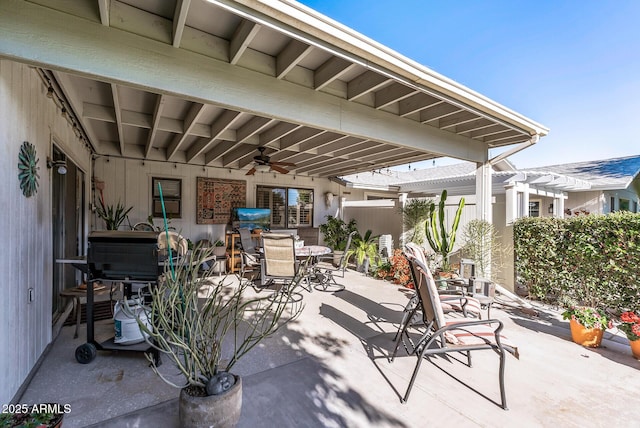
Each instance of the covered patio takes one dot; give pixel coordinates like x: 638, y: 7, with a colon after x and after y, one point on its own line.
x: 127, y: 92
x: 329, y: 368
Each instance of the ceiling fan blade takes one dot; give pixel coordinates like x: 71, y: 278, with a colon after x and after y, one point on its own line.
x: 280, y: 170
x: 283, y: 163
x: 251, y: 171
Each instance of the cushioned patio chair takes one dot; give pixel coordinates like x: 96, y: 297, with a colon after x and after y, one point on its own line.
x: 459, y: 335
x: 451, y: 300
x: 178, y: 243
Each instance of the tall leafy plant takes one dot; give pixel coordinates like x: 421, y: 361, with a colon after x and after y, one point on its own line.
x: 482, y: 245
x: 336, y: 232
x: 414, y: 216
x: 440, y: 239
x: 364, y: 248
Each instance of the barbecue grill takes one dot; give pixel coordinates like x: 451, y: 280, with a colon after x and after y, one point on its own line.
x: 123, y: 256
x: 119, y: 255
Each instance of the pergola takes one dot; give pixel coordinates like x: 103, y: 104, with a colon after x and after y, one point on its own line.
x: 208, y: 81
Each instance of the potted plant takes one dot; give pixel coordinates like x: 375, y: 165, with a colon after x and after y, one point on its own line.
x: 112, y: 216
x: 630, y: 325
x: 364, y: 249
x: 336, y: 232
x: 587, y: 325
x: 204, y: 337
x: 219, y: 249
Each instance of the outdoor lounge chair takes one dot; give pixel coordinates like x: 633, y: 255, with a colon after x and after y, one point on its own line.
x: 443, y: 336
x: 451, y: 300
x: 325, y: 273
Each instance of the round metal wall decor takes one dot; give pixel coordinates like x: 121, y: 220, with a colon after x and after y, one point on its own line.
x: 28, y: 166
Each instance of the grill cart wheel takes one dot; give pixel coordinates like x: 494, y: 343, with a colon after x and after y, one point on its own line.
x: 85, y: 353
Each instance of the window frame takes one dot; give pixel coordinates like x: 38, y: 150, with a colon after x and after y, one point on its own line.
x: 533, y: 202
x: 173, y: 199
x: 286, y: 211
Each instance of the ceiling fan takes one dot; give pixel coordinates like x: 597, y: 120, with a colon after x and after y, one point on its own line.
x: 263, y: 162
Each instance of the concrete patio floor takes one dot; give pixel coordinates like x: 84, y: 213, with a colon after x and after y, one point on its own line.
x: 329, y: 368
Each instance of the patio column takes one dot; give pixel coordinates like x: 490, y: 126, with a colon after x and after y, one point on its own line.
x: 484, y: 209
x: 341, y: 202
x: 558, y: 204
x: 402, y: 200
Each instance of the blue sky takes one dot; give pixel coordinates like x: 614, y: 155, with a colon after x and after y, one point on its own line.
x: 573, y: 66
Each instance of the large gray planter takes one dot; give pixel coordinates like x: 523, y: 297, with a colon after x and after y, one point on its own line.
x: 215, y: 411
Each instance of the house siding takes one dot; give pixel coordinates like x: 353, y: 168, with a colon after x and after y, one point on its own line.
x: 26, y: 114
x: 129, y: 181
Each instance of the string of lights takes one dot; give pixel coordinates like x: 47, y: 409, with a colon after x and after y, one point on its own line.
x: 54, y: 92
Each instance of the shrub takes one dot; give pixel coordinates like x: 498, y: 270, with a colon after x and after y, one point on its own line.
x: 588, y: 260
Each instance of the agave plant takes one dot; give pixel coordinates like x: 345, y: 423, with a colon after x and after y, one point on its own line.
x: 443, y: 241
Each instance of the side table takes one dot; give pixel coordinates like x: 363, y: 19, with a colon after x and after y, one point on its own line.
x: 77, y: 293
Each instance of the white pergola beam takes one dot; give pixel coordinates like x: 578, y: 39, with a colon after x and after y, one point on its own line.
x: 179, y: 19
x: 60, y: 41
x: 245, y: 32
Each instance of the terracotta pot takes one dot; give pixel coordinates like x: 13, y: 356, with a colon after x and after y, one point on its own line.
x: 219, y: 411
x: 589, y: 337
x: 635, y: 348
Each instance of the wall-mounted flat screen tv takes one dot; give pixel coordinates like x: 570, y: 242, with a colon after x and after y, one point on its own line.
x: 252, y: 218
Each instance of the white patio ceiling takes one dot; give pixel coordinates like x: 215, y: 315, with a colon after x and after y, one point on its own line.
x: 207, y: 82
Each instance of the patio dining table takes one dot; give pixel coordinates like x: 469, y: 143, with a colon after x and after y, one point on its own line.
x: 312, y: 250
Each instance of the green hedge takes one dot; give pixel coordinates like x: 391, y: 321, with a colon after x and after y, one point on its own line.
x: 593, y: 260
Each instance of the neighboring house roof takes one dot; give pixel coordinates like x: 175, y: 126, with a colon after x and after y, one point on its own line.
x: 608, y: 174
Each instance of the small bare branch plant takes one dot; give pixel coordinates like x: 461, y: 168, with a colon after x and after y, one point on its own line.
x: 194, y: 320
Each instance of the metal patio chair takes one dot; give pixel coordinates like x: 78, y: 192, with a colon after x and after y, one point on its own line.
x: 249, y: 257
x: 279, y: 265
x: 325, y: 273
x: 443, y: 336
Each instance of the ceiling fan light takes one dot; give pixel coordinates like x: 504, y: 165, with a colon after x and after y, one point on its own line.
x: 262, y: 168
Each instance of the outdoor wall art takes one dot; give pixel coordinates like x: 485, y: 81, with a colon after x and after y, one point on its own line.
x: 28, y: 169
x: 217, y: 197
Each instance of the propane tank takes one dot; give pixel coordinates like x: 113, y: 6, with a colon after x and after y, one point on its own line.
x: 126, y: 325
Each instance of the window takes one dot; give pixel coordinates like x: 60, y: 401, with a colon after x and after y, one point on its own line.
x: 624, y: 204
x: 172, y: 195
x: 613, y: 204
x: 534, y: 208
x: 290, y: 207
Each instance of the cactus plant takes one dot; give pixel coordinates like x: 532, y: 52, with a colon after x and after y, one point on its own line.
x: 442, y: 242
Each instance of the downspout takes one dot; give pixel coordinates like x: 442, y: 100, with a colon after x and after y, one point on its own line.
x: 515, y: 150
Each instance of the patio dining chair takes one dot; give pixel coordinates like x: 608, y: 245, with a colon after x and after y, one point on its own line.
x: 455, y: 335
x: 279, y: 264
x: 325, y: 273
x: 178, y: 243
x: 249, y: 257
